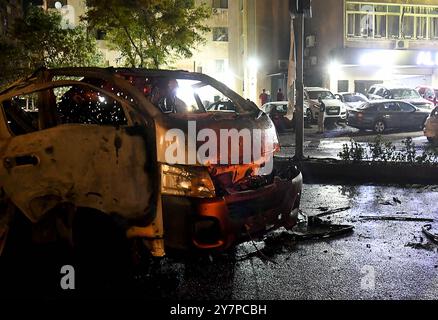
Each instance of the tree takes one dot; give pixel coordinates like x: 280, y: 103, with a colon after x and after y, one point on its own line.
x: 150, y: 33
x: 39, y: 40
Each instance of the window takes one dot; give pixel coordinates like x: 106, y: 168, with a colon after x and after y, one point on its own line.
x: 380, y: 92
x: 22, y: 114
x: 406, y: 107
x: 433, y: 28
x: 393, y: 27
x: 380, y: 26
x: 220, y: 4
x: 342, y: 85
x: 389, y: 107
x: 82, y: 105
x: 387, y: 21
x: 220, y: 66
x: 408, y: 26
x: 220, y: 34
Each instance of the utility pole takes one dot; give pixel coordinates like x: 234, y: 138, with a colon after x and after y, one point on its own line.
x: 299, y: 9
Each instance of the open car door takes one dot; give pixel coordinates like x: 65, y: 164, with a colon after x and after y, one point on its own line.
x: 90, y: 157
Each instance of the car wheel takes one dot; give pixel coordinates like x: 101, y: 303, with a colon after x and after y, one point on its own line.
x: 379, y: 126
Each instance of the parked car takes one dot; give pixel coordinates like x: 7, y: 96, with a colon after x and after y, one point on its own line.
x: 409, y: 95
x: 382, y: 115
x: 429, y: 93
x: 100, y: 148
x: 282, y: 116
x: 353, y: 100
x: 431, y: 126
x: 335, y: 109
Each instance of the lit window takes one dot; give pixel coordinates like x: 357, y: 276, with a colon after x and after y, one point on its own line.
x: 220, y: 34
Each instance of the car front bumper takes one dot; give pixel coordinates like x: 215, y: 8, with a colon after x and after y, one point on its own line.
x: 217, y: 224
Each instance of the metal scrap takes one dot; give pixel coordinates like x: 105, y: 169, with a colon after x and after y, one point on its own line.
x: 392, y: 218
x: 330, y: 212
x: 432, y: 236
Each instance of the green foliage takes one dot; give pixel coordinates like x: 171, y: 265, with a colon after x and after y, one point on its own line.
x: 353, y: 152
x: 150, y: 33
x: 39, y: 40
x: 384, y: 151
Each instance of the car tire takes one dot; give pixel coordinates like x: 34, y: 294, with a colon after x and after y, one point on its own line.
x: 379, y: 126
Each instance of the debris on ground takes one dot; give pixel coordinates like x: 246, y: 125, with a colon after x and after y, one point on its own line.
x: 432, y: 236
x: 317, y: 230
x: 330, y: 212
x: 386, y: 203
x: 392, y: 218
x: 421, y: 246
x: 396, y: 200
x: 311, y: 229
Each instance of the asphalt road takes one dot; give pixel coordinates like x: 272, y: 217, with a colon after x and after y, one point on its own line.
x: 329, y: 144
x: 379, y: 260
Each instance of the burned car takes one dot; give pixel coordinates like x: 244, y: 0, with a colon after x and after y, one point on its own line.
x: 140, y: 147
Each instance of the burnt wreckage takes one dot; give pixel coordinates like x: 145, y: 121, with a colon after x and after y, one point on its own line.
x: 79, y: 139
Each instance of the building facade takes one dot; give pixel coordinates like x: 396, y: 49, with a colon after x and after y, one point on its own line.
x: 351, y: 45
x: 9, y: 11
x: 248, y: 46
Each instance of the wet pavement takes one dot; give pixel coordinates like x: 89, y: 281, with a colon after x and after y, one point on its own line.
x: 379, y: 260
x: 329, y: 144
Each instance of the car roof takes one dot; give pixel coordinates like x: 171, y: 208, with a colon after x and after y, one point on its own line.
x: 352, y: 93
x: 373, y: 102
x: 316, y: 89
x: 427, y: 87
x: 276, y: 103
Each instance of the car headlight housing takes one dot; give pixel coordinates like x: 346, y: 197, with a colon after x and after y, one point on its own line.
x: 186, y: 181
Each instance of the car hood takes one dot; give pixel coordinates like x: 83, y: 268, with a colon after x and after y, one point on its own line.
x: 189, y: 126
x: 333, y: 103
x: 354, y: 105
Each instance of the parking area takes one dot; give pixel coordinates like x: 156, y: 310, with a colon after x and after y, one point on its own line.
x: 329, y: 144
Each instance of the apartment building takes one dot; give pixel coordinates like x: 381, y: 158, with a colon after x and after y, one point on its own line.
x: 247, y: 48
x: 351, y: 45
x: 9, y: 11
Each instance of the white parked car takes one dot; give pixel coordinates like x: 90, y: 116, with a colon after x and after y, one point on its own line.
x: 353, y: 100
x: 335, y: 109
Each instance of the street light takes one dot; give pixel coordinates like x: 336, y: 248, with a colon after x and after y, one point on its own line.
x: 254, y: 64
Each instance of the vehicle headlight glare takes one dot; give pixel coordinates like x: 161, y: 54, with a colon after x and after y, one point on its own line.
x: 186, y: 181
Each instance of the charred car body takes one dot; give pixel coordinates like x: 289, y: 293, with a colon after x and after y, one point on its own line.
x: 98, y: 140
